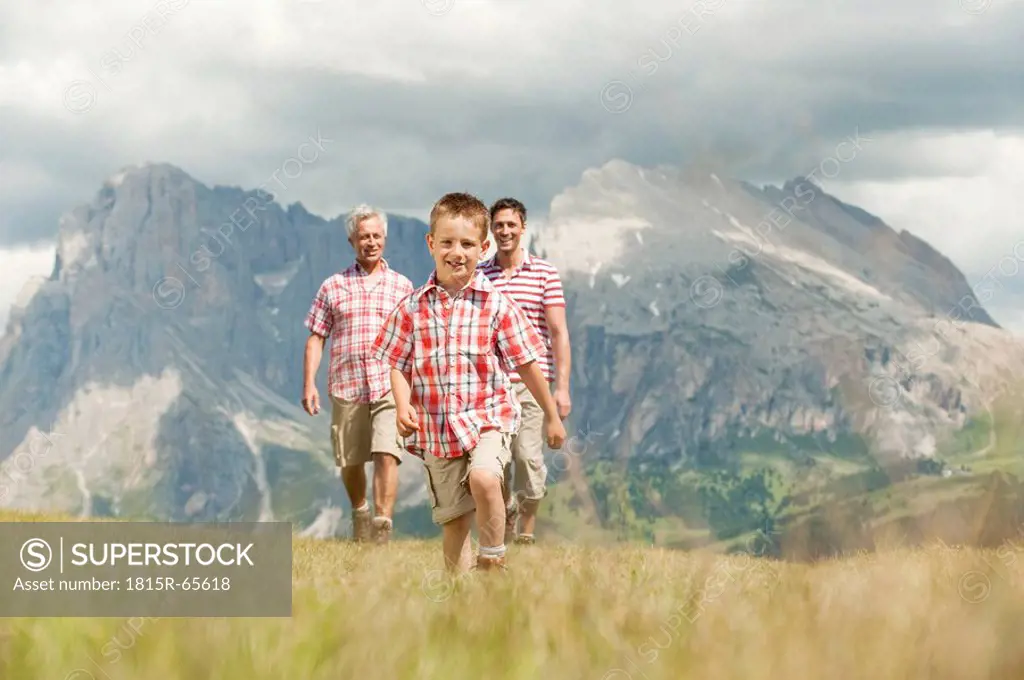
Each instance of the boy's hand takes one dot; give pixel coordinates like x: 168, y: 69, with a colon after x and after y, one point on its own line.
x: 407, y: 421
x: 554, y: 431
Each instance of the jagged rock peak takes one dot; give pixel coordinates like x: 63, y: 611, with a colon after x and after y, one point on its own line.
x: 146, y: 172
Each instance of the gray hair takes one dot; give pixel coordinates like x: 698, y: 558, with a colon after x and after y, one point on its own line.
x: 362, y: 212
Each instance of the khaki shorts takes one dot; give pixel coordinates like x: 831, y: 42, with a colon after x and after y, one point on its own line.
x: 360, y: 430
x: 531, y: 474
x: 448, y: 478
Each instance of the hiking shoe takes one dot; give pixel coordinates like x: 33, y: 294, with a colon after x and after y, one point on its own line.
x: 382, y: 530
x: 490, y: 564
x: 362, y: 526
x: 525, y: 539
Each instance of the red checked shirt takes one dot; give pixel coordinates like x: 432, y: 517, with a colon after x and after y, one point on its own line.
x: 350, y: 310
x: 457, y: 352
x: 534, y: 286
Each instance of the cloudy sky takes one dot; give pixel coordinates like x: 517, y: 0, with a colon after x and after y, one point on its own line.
x: 413, y: 98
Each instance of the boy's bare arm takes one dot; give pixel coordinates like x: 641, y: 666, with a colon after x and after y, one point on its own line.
x: 400, y: 388
x: 534, y: 380
x: 404, y: 412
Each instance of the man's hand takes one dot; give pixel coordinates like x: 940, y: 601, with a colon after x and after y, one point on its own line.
x: 311, y: 400
x: 554, y: 432
x: 563, y: 403
x: 407, y: 421
x: 310, y: 362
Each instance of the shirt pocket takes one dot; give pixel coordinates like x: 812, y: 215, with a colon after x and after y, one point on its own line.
x: 476, y: 357
x: 478, y: 342
x: 343, y: 308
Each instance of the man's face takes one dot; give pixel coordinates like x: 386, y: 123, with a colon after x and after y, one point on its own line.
x: 368, y: 241
x: 508, y: 230
x: 456, y: 247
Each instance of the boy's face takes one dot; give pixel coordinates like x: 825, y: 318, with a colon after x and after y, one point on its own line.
x: 456, y: 247
x: 508, y: 230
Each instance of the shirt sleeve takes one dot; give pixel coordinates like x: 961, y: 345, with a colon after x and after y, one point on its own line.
x: 320, y: 318
x: 553, y: 294
x: 518, y: 342
x: 394, y: 342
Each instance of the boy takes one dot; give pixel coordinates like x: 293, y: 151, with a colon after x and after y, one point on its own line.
x: 449, y: 345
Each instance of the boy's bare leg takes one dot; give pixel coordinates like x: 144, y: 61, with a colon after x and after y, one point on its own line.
x: 458, y: 550
x: 490, y: 507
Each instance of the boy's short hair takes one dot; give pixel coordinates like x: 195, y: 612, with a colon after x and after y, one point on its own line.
x: 509, y: 204
x: 466, y: 206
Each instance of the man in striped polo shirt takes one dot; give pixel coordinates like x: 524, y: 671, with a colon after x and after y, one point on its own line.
x: 535, y: 286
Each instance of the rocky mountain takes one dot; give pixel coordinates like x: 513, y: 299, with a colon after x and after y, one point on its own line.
x: 717, y: 327
x: 704, y: 311
x: 157, y: 371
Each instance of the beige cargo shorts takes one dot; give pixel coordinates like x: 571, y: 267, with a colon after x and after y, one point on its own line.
x: 448, y: 478
x: 360, y: 430
x: 531, y: 473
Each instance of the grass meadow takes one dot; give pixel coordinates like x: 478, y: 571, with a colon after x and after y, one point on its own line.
x: 565, y: 611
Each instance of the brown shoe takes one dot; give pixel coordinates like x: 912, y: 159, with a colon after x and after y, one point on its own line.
x: 362, y: 526
x: 525, y: 539
x: 490, y: 563
x: 382, y: 530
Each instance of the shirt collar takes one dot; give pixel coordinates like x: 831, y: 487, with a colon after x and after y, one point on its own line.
x: 357, y: 268
x: 492, y: 261
x: 479, y: 283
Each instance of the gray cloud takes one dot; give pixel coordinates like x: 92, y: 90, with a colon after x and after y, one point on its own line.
x: 505, y: 97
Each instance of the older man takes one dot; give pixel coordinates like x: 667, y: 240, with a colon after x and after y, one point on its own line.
x: 350, y: 307
x: 535, y: 286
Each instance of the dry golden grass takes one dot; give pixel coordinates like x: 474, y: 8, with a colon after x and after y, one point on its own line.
x: 573, y: 612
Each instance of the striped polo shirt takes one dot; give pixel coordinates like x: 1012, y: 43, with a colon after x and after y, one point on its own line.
x: 533, y: 286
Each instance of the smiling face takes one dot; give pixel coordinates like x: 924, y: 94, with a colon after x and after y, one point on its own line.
x: 508, y: 230
x: 456, y: 245
x: 368, y: 241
